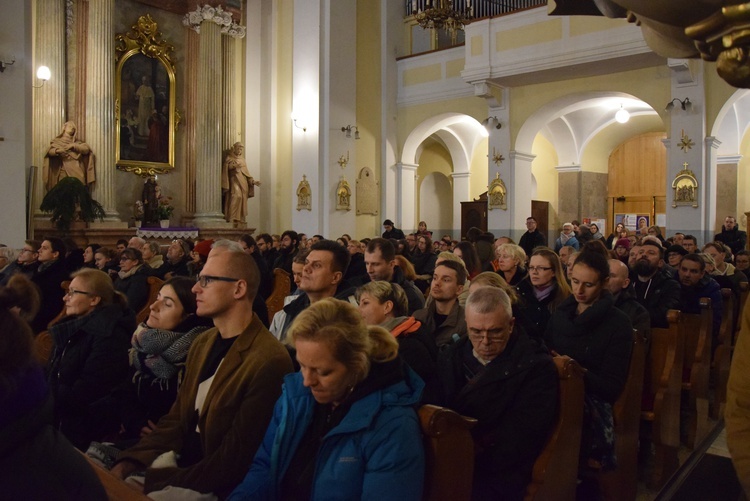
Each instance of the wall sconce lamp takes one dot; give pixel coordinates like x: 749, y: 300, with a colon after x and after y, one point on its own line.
x: 43, y: 74
x: 304, y: 129
x: 622, y: 115
x: 490, y: 122
x: 3, y: 64
x: 685, y: 104
x: 348, y: 131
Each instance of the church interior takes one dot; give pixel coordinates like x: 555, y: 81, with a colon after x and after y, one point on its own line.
x: 356, y: 99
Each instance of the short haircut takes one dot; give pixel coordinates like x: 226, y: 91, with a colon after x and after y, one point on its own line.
x: 487, y: 299
x: 459, y: 268
x: 385, y: 247
x: 653, y: 243
x: 132, y: 253
x: 122, y: 241
x: 9, y: 253
x: 292, y: 235
x: 701, y: 259
x: 743, y: 252
x: 301, y: 256
x: 241, y: 264
x: 492, y: 279
x: 340, y: 253
x: 266, y: 238
x: 154, y: 246
x: 139, y: 240
x: 531, y: 218
x: 249, y: 240
x: 690, y: 237
x: 34, y: 244
x: 514, y: 251
x: 57, y: 245
x: 384, y: 291
x: 720, y: 247
x: 319, y: 237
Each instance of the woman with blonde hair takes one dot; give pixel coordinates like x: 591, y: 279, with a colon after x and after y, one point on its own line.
x: 345, y: 423
x: 541, y: 292
x: 511, y: 259
x: 90, y: 355
x: 383, y: 303
x: 492, y: 279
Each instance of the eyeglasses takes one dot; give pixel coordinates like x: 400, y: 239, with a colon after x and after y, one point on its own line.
x: 534, y: 269
x: 27, y: 250
x: 73, y: 292
x: 204, y: 280
x: 487, y: 339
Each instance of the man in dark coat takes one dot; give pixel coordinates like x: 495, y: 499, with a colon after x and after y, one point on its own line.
x: 380, y: 260
x: 50, y: 274
x: 697, y: 284
x: 619, y: 286
x: 655, y: 289
x: 506, y: 381
x: 26, y: 262
x: 532, y: 238
x: 178, y: 256
x: 732, y: 236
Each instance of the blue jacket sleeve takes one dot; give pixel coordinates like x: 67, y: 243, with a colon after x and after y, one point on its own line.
x: 395, y: 458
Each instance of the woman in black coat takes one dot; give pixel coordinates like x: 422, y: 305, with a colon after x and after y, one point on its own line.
x: 132, y: 279
x: 588, y: 328
x: 90, y: 356
x: 424, y: 262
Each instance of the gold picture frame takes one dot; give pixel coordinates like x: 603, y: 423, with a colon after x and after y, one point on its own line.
x: 145, y: 110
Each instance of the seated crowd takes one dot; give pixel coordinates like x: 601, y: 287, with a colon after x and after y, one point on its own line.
x: 208, y: 395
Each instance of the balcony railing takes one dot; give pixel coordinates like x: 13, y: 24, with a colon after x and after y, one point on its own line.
x: 476, y: 9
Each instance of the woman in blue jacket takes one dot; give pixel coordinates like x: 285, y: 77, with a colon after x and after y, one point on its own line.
x: 345, y: 425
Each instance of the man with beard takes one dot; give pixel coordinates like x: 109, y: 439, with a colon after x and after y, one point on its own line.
x: 654, y: 288
x: 267, y: 250
x: 287, y: 251
x: 731, y: 235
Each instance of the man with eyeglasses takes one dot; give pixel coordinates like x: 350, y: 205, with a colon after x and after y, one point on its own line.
x: 26, y: 262
x: 49, y: 276
x: 178, y: 256
x: 508, y: 382
x: 225, y: 402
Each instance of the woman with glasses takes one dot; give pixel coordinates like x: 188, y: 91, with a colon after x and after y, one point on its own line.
x: 132, y: 279
x: 588, y: 328
x: 511, y: 259
x: 345, y: 425
x: 90, y: 355
x: 541, y: 292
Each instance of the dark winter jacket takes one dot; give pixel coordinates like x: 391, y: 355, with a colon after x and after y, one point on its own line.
x: 135, y: 287
x: 658, y: 294
x: 735, y: 239
x: 48, y: 280
x: 533, y: 314
x: 690, y: 299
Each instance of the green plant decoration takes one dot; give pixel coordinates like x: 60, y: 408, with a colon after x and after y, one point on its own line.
x: 68, y: 201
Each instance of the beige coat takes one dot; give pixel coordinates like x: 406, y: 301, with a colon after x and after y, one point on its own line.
x: 235, y: 415
x: 737, y: 413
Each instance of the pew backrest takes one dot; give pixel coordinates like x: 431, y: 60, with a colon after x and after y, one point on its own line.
x: 154, y: 286
x: 282, y: 285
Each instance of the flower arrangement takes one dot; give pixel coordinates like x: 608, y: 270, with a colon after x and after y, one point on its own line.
x: 165, y: 208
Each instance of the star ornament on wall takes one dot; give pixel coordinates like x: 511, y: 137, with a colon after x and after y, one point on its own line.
x: 497, y: 157
x: 685, y: 142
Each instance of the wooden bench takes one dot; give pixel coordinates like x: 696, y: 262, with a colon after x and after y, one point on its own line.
x: 722, y: 354
x: 154, y: 286
x: 116, y: 489
x: 621, y: 484
x: 449, y: 454
x: 282, y: 286
x: 695, y: 330
x: 662, y: 389
x: 556, y: 469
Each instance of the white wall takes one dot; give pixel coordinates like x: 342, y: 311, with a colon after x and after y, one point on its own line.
x: 15, y: 119
x: 436, y: 203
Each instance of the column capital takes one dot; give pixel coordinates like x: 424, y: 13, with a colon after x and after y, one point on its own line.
x: 568, y: 168
x: 403, y: 166
x: 518, y: 155
x: 208, y: 14
x: 460, y: 175
x: 728, y: 159
x: 712, y: 142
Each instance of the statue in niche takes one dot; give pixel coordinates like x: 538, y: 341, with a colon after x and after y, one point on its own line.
x: 68, y: 157
x: 237, y: 184
x: 343, y: 195
x: 304, y: 194
x: 150, y: 199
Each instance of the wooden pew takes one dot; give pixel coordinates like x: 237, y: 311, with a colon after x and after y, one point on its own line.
x: 695, y: 330
x: 744, y: 289
x: 154, y: 286
x: 556, y: 469
x: 449, y: 454
x: 116, y: 489
x: 282, y: 285
x: 663, y: 379
x: 621, y: 484
x: 43, y: 343
x: 722, y: 354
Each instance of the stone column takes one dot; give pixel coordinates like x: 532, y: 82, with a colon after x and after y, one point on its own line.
x: 48, y: 100
x: 521, y: 191
x: 230, y: 130
x: 208, y: 129
x: 100, y: 104
x: 406, y: 209
x: 460, y: 194
x: 191, y: 91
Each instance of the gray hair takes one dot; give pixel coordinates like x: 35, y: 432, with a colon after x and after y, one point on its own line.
x: 226, y: 244
x: 9, y: 253
x: 488, y: 299
x: 154, y: 246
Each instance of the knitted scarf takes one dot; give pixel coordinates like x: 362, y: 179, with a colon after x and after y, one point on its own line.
x: 158, y: 353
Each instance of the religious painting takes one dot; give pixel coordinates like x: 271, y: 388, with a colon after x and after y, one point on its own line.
x: 498, y: 194
x: 685, y: 188
x: 304, y: 194
x: 145, y: 106
x: 343, y: 195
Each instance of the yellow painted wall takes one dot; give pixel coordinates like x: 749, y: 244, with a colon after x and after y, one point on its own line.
x: 369, y: 98
x: 717, y: 93
x: 534, y: 34
x: 743, y: 180
x: 583, y: 25
x: 283, y: 42
x: 543, y: 169
x: 411, y: 116
x: 479, y: 176
x: 434, y: 158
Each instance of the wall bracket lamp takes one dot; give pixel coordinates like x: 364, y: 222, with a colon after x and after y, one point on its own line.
x: 4, y: 64
x: 304, y: 129
x: 492, y: 122
x: 685, y: 104
x: 43, y: 74
x: 348, y: 131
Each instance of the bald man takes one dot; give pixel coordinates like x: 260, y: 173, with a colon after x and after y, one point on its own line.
x: 619, y: 286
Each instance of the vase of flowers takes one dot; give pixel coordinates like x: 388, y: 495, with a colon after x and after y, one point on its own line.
x: 164, y: 211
